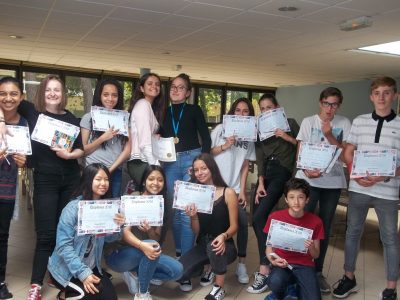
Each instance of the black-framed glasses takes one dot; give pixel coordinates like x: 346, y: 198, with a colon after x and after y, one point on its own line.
x: 327, y: 104
x: 178, y: 88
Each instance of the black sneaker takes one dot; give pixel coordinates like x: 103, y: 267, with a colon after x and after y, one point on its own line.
x: 389, y: 294
x: 207, y: 278
x: 344, y: 287
x: 259, y: 284
x: 217, y: 293
x: 4, y: 293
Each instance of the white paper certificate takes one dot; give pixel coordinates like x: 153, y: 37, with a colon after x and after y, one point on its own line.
x: 20, y: 141
x: 244, y: 128
x: 163, y: 148
x: 288, y: 237
x: 375, y: 162
x: 271, y: 120
x: 201, y: 195
x: 54, y: 133
x: 315, y: 156
x: 148, y: 208
x: 97, y: 216
x: 104, y: 118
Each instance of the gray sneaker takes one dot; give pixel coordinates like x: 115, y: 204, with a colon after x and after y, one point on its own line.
x: 324, y: 287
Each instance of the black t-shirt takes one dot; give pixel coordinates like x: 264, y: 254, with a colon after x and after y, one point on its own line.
x: 43, y: 159
x: 191, y: 125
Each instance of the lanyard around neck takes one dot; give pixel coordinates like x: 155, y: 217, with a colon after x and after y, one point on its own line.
x: 175, y: 125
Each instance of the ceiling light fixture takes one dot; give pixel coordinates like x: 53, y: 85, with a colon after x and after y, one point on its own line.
x: 288, y: 8
x: 15, y: 37
x: 355, y: 24
x: 392, y: 48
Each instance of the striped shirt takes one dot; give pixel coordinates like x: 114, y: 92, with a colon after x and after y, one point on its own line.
x: 362, y: 135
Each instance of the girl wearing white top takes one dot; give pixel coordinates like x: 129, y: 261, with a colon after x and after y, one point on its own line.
x: 147, y: 110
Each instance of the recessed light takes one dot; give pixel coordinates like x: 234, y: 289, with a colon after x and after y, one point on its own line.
x: 166, y: 53
x: 16, y: 37
x: 280, y: 65
x: 288, y: 8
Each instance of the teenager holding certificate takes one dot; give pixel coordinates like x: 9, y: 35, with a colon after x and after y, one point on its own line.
x: 232, y: 158
x: 376, y: 131
x: 325, y: 128
x: 185, y: 123
x: 142, y: 253
x: 276, y: 158
x: 109, y: 147
x: 10, y: 96
x: 75, y: 265
x: 56, y: 173
x: 147, y: 111
x: 215, y: 245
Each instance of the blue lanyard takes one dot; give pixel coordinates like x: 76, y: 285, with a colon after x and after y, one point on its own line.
x: 176, y: 125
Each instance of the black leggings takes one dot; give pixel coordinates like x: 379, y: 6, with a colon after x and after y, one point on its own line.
x: 75, y: 289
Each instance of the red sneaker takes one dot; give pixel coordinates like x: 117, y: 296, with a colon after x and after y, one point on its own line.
x: 34, y: 292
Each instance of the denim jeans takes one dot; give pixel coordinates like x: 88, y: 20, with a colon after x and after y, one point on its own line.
x: 182, y: 229
x: 387, y: 211
x: 327, y: 200
x: 6, y: 213
x: 132, y: 259
x: 51, y: 194
x: 304, y: 276
x: 274, y: 181
x: 202, y: 254
x: 116, y: 181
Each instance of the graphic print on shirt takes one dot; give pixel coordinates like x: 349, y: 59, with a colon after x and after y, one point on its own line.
x: 318, y: 137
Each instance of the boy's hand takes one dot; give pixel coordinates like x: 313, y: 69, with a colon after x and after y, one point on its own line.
x: 280, y: 262
x: 369, y: 180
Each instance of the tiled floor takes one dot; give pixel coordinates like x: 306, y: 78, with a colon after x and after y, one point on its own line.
x: 370, y: 273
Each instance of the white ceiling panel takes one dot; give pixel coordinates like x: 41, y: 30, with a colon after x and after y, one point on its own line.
x: 303, y: 8
x: 84, y: 8
x: 334, y: 15
x: 258, y: 19
x: 206, y: 11
x: 372, y: 6
x: 240, y: 4
x: 137, y: 15
x: 185, y: 22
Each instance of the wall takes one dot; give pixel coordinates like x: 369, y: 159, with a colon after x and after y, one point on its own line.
x: 302, y: 101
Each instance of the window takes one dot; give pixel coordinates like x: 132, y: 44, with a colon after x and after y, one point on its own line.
x: 232, y: 96
x: 80, y: 94
x: 5, y: 72
x: 31, y: 81
x: 255, y: 96
x: 128, y: 92
x: 210, y: 102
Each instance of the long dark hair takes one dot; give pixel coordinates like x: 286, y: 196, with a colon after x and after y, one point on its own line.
x: 149, y: 169
x: 212, y: 166
x: 85, y: 187
x: 13, y: 80
x: 94, y: 134
x: 237, y: 101
x: 158, y: 105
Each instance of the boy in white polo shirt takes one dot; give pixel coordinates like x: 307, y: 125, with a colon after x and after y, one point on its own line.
x: 377, y: 131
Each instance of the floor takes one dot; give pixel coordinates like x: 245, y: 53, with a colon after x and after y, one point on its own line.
x: 370, y: 273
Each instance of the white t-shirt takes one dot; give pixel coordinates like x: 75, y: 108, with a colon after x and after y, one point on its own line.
x: 310, y: 131
x: 231, y: 160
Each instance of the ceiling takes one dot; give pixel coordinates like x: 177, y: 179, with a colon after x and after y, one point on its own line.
x: 236, y: 41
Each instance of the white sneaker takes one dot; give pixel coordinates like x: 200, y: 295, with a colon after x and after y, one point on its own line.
x: 217, y: 293
x: 132, y: 282
x: 157, y: 282
x: 145, y: 296
x: 185, y: 286
x: 207, y: 278
x: 241, y: 273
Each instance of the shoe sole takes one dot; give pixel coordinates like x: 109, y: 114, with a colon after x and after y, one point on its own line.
x: 246, y: 281
x: 325, y: 291
x: 353, y: 290
x: 252, y: 291
x: 186, y: 289
x: 206, y: 283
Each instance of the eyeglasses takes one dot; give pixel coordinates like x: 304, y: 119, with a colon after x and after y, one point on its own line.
x: 178, y: 88
x: 327, y: 104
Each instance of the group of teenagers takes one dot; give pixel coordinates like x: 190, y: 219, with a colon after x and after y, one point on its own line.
x: 204, y: 243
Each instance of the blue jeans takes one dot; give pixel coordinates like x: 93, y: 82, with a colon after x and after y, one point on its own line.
x: 386, y: 210
x: 116, y: 181
x: 305, y: 277
x: 327, y: 200
x: 132, y: 259
x: 182, y: 229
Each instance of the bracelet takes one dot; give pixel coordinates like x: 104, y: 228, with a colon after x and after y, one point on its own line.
x: 222, y: 148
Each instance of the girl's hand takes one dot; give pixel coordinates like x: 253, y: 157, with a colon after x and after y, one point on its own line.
x: 261, y: 192
x: 191, y: 210
x: 89, y: 284
x: 3, y: 153
x: 3, y: 134
x: 62, y: 152
x: 109, y: 133
x: 144, y: 226
x: 281, y: 134
x: 229, y: 142
x: 308, y: 244
x: 119, y: 219
x: 19, y: 159
x: 151, y: 250
x: 313, y: 173
x: 242, y: 199
x: 219, y: 244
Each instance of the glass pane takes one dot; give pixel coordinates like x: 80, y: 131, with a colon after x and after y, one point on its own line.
x: 255, y: 97
x: 232, y: 96
x: 210, y: 103
x: 5, y: 72
x: 31, y: 81
x: 128, y: 92
x: 80, y: 94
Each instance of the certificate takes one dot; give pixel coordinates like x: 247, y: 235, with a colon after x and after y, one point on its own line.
x: 244, y: 128
x: 271, y: 120
x: 186, y: 193
x: 97, y: 216
x: 104, y: 118
x: 19, y: 142
x: 375, y: 162
x: 143, y: 208
x: 315, y: 156
x: 163, y: 148
x: 288, y: 237
x: 55, y: 133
